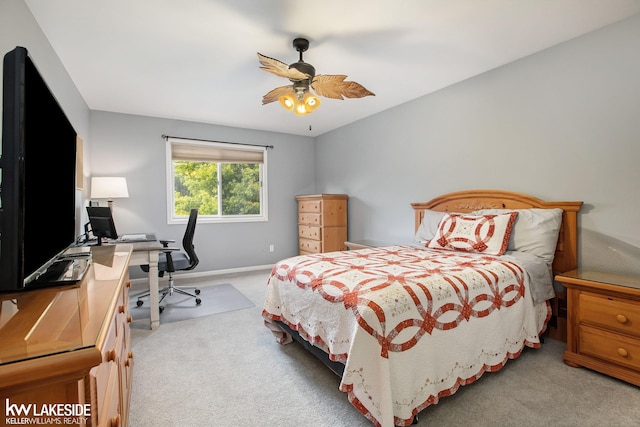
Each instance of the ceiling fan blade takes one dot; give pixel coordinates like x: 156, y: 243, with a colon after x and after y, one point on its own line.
x: 276, y: 93
x: 279, y: 68
x: 335, y: 86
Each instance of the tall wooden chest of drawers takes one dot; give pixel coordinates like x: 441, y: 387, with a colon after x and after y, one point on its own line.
x: 603, y: 329
x: 322, y: 223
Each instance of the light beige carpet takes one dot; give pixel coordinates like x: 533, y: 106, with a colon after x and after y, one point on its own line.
x: 215, y: 299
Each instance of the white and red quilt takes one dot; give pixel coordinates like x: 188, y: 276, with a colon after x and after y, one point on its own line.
x: 411, y: 325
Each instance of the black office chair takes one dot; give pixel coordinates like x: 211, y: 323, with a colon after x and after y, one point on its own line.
x: 170, y: 261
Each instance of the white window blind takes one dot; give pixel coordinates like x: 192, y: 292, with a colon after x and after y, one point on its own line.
x: 198, y: 151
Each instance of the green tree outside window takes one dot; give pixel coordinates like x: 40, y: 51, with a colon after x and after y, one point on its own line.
x: 209, y: 186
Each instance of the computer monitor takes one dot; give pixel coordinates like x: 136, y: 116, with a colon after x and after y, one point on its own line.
x: 102, y: 225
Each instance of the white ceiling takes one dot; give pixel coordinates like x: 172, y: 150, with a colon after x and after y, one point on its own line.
x: 196, y: 60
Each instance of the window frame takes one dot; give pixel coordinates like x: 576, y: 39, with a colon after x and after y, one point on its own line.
x: 195, y: 143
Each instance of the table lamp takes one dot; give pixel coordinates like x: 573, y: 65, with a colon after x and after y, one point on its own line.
x: 109, y: 187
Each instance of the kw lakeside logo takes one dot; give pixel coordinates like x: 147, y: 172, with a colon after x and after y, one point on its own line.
x: 46, y: 414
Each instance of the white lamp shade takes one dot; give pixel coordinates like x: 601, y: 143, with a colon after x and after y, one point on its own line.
x: 109, y: 187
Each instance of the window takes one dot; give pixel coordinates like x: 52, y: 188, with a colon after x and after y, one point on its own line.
x: 226, y: 182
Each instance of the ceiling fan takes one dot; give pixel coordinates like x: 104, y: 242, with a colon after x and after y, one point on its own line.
x: 297, y: 97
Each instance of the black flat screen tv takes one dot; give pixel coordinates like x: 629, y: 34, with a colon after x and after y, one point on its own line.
x: 38, y: 162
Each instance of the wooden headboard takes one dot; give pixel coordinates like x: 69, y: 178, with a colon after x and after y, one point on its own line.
x: 566, y: 257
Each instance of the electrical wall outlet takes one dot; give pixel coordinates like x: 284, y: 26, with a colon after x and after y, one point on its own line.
x: 272, y: 248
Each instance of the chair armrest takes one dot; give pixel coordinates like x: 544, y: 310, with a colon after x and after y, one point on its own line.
x: 167, y: 249
x: 165, y: 243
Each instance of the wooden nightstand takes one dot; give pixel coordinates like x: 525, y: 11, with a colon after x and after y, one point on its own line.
x: 603, y: 323
x: 365, y: 244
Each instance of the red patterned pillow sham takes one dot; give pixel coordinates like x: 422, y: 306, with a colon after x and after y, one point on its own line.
x: 487, y: 234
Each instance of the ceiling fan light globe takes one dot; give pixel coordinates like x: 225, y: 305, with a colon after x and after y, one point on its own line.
x: 288, y: 101
x: 301, y: 109
x: 311, y: 102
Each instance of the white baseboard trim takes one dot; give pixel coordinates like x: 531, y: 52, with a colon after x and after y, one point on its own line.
x: 223, y: 272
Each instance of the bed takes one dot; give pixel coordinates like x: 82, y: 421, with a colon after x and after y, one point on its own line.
x: 406, y: 325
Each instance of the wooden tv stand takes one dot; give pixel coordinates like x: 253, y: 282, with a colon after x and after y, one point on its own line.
x: 65, y: 351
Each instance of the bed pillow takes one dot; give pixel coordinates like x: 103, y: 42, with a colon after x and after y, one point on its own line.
x: 428, y: 226
x: 535, y: 230
x: 487, y: 234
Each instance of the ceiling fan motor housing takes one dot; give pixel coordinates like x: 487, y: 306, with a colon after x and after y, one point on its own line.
x: 303, y: 67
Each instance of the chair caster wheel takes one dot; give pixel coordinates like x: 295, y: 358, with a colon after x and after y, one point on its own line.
x: 197, y: 291
x: 198, y: 301
x: 161, y: 308
x: 139, y: 303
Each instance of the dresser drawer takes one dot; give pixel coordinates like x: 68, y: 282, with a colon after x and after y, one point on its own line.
x: 610, y: 313
x: 611, y: 347
x: 310, y: 206
x: 109, y: 413
x: 309, y: 218
x: 102, y: 379
x: 309, y: 232
x: 122, y: 308
x: 310, y: 246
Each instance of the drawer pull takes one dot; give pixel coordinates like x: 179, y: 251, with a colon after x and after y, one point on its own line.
x: 111, y: 355
x: 622, y: 352
x: 621, y: 318
x: 121, y: 309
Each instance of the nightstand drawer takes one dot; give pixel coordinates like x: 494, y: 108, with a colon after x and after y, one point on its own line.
x: 620, y: 316
x: 614, y: 348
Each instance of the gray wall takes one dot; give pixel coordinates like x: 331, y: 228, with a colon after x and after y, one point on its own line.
x: 19, y: 28
x: 563, y: 124
x: 132, y: 146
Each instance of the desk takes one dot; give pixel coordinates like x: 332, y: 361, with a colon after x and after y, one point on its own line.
x: 146, y: 253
